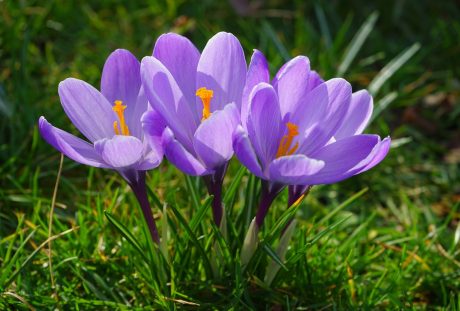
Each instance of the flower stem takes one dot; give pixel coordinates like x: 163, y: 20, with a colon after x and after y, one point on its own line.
x: 269, y: 192
x: 214, y: 184
x: 137, y: 183
x: 296, y: 192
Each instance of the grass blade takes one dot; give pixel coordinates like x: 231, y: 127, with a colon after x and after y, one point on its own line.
x: 232, y: 189
x: 272, y: 254
x: 201, y: 212
x: 390, y: 69
x: 274, y: 37
x: 383, y: 104
x: 193, y: 238
x: 126, y: 234
x: 193, y: 191
x: 9, y: 265
x: 357, y: 42
x: 323, y: 25
x: 342, y: 206
x: 29, y: 258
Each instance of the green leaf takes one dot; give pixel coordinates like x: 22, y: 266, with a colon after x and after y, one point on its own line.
x: 234, y: 185
x: 323, y: 25
x: 198, y: 217
x: 342, y: 206
x: 126, y: 234
x: 268, y: 29
x: 357, y: 42
x: 29, y: 258
x: 390, y: 69
x: 4, y: 271
x: 383, y: 104
x: 270, y: 252
x: 194, y: 239
x: 193, y: 191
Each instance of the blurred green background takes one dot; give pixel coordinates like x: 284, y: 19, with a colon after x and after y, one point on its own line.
x: 406, y: 52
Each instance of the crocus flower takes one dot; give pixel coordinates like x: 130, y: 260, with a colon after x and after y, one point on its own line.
x: 111, y: 122
x: 199, y: 97
x: 299, y: 130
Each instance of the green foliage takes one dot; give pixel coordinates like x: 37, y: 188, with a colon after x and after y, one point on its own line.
x: 388, y: 239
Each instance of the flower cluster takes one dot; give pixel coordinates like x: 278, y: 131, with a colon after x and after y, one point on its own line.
x: 199, y: 109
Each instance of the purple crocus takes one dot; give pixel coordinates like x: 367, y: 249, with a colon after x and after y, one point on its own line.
x: 199, y: 97
x: 111, y: 121
x: 299, y: 130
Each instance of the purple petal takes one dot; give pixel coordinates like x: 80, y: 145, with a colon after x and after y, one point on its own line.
x: 135, y: 115
x: 180, y: 56
x: 291, y: 84
x: 149, y: 161
x: 245, y: 152
x: 326, y: 107
x: 87, y: 108
x: 180, y: 157
x: 153, y: 126
x: 120, y: 151
x: 73, y: 147
x: 379, y: 153
x: 257, y: 72
x: 358, y: 115
x: 168, y: 100
x: 264, y: 122
x: 121, y: 79
x: 294, y: 169
x: 222, y: 69
x: 314, y: 79
x: 344, y: 158
x: 213, y: 138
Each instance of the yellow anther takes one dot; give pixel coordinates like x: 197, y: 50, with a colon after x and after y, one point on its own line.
x: 284, y: 147
x: 119, y: 109
x: 205, y: 95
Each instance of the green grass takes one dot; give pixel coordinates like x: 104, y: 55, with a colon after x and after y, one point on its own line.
x: 388, y: 239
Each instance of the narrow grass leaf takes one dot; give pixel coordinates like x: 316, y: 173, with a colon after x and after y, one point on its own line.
x: 193, y: 238
x: 345, y: 244
x: 400, y: 142
x: 198, y: 217
x: 357, y: 42
x: 299, y: 253
x: 193, y: 191
x: 272, y: 254
x: 268, y: 29
x: 164, y: 233
x: 323, y: 25
x: 342, y: 206
x: 383, y: 104
x: 126, y: 234
x: 5, y: 270
x: 26, y: 261
x: 390, y: 69
x: 234, y: 185
x: 155, y: 198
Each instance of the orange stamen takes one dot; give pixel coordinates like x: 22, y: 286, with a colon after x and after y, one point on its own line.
x: 119, y: 109
x: 286, y: 142
x: 205, y: 95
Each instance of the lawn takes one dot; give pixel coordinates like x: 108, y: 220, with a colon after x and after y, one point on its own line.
x: 72, y: 237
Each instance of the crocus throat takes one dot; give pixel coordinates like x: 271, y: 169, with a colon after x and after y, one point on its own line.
x: 205, y: 95
x: 119, y: 109
x: 285, y: 145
